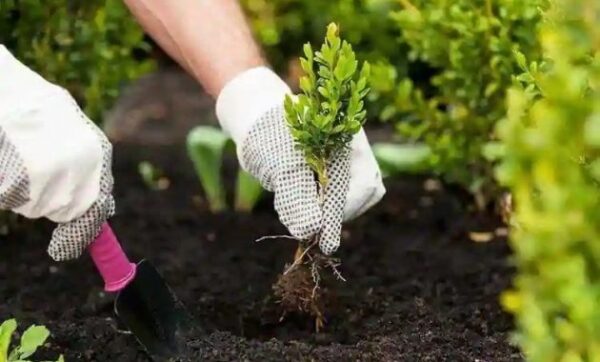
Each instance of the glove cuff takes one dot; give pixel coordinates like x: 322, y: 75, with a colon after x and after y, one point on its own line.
x: 60, y: 149
x: 246, y: 98
x: 20, y: 87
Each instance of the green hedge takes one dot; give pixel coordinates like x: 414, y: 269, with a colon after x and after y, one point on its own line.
x: 470, y: 45
x: 552, y: 165
x: 90, y: 47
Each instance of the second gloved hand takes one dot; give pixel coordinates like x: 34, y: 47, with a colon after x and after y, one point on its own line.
x: 54, y: 162
x: 250, y: 109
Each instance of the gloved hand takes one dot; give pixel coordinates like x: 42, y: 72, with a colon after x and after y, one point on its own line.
x: 250, y: 109
x: 54, y: 162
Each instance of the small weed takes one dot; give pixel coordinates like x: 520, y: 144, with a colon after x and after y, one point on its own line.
x: 33, y: 338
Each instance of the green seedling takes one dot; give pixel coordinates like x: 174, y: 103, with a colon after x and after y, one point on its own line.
x: 33, y: 338
x: 394, y: 159
x: 247, y: 192
x: 152, y: 176
x: 330, y: 110
x: 206, y: 146
x: 323, y: 120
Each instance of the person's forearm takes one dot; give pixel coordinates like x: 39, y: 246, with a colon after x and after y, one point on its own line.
x: 209, y: 38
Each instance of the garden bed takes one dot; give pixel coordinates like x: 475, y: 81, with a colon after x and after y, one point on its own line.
x: 417, y: 288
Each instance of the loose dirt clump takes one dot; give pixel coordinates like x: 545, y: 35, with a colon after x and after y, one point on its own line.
x: 300, y: 287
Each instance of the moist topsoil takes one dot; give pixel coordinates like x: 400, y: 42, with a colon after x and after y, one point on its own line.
x: 417, y: 289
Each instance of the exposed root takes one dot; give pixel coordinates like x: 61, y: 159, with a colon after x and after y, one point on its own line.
x: 275, y: 237
x: 334, y: 264
x: 299, y: 258
x: 299, y: 288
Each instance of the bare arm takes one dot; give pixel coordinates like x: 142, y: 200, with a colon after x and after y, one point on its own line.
x: 208, y: 38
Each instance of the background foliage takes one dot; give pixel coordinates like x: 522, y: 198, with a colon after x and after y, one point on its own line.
x: 89, y: 47
x: 552, y: 165
x: 470, y: 46
x: 283, y: 26
x: 440, y: 68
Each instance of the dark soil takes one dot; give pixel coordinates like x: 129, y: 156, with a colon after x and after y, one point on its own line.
x: 417, y: 288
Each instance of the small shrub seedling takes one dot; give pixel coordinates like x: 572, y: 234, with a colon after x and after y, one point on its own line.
x: 206, y: 146
x: 323, y: 120
x: 33, y: 338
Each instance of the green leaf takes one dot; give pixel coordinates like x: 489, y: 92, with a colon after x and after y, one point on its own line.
x: 494, y: 151
x: 396, y: 159
x: 7, y: 328
x: 308, y: 52
x: 491, y: 88
x: 248, y: 192
x: 525, y: 77
x: 205, y: 146
x: 365, y: 72
x: 332, y: 32
x: 32, y: 339
x: 306, y: 85
x: 323, y: 91
x: 521, y: 60
x: 592, y: 130
x: 305, y: 65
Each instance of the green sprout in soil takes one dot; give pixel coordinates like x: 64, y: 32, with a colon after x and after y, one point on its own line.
x: 152, y: 176
x: 248, y: 192
x: 33, y: 338
x: 323, y: 120
x: 206, y: 146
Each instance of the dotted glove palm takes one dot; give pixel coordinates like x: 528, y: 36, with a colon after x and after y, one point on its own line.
x: 54, y: 161
x: 250, y: 109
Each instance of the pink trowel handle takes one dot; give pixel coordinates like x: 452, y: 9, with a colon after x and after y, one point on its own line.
x: 111, y: 261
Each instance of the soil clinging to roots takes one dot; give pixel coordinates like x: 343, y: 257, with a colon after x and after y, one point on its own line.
x: 304, y: 286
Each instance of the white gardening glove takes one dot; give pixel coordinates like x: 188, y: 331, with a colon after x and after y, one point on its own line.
x: 250, y: 109
x: 54, y: 162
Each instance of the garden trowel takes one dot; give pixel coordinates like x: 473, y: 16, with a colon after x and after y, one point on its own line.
x: 144, y: 302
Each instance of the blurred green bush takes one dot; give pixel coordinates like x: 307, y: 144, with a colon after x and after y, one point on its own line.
x: 89, y: 47
x: 551, y: 163
x: 470, y: 46
x: 283, y: 26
